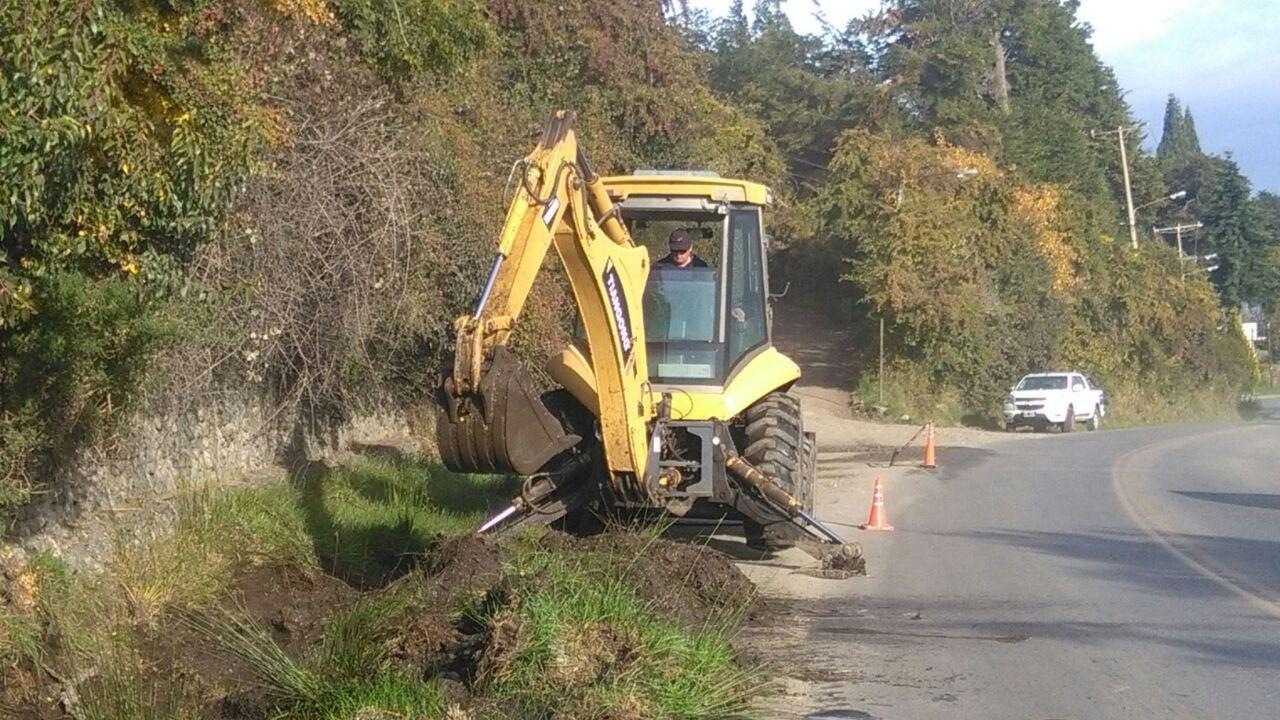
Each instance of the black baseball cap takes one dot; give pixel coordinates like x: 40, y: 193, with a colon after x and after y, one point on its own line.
x: 681, y: 240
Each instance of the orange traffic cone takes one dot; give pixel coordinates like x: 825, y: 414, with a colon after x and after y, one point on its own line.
x: 878, y: 519
x: 930, y: 454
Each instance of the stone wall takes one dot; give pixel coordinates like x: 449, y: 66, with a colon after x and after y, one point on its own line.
x: 125, y: 489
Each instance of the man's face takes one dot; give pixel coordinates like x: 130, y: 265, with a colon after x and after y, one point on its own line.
x: 682, y: 257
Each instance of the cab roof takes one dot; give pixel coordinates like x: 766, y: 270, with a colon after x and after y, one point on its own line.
x: 690, y: 184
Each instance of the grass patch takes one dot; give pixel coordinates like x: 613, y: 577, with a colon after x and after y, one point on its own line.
x: 117, y: 690
x: 577, y: 641
x: 564, y: 632
x: 908, y: 394
x: 368, y: 519
x: 350, y: 676
x: 1134, y: 405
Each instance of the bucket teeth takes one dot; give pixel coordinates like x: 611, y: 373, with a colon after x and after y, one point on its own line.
x: 503, y: 428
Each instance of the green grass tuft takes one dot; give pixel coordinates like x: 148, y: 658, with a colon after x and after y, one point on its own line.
x: 350, y: 675
x: 277, y: 674
x: 354, y: 642
x: 583, y: 644
x: 370, y: 519
x: 385, y: 695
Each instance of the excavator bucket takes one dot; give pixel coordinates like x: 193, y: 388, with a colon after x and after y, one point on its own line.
x: 504, y: 428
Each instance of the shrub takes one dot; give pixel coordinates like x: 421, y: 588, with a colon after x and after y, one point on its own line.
x: 71, y: 371
x: 982, y: 277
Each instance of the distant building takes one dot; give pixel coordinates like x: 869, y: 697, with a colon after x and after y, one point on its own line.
x: 1253, y: 323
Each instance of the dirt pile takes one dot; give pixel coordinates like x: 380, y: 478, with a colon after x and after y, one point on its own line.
x: 690, y: 582
x: 461, y: 624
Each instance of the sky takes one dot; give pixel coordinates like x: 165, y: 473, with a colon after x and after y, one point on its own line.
x: 1220, y: 57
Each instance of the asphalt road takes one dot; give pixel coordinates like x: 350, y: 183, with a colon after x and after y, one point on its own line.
x: 1118, y: 574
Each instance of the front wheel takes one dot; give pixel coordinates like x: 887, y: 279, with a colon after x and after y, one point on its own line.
x: 1095, y: 422
x: 1069, y: 424
x: 778, y: 446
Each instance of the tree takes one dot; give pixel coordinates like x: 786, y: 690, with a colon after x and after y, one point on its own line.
x: 1237, y: 232
x: 805, y: 92
x: 1178, y: 140
x: 1017, y: 80
x: 1268, y: 207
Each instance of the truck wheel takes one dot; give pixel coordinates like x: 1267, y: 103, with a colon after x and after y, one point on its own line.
x: 1070, y: 423
x: 778, y: 447
x: 1095, y: 422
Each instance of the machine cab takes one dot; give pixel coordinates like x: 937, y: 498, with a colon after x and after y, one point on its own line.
x: 701, y: 323
x: 707, y: 329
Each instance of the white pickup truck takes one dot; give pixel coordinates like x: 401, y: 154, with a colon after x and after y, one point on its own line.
x: 1061, y: 399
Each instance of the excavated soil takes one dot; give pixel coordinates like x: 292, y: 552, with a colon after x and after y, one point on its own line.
x: 690, y: 583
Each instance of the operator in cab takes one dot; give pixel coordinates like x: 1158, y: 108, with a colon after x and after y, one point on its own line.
x: 681, y: 255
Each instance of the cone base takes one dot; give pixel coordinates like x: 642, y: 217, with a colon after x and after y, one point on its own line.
x: 886, y: 528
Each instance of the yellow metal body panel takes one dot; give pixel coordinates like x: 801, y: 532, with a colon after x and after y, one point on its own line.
x: 573, y: 372
x: 620, y: 187
x: 754, y: 378
x: 758, y: 376
x: 558, y: 202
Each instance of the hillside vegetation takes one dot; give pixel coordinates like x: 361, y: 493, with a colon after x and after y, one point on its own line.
x: 337, y: 596
x: 293, y: 197
x: 289, y: 201
x: 946, y: 176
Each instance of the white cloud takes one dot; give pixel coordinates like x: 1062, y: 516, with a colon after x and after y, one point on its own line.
x: 1119, y: 24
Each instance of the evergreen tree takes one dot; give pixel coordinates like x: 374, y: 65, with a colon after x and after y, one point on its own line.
x: 1268, y: 207
x: 1060, y: 92
x: 805, y: 92
x: 1016, y: 79
x: 1237, y: 233
x: 1192, y: 139
x: 1172, y: 130
x: 1179, y: 142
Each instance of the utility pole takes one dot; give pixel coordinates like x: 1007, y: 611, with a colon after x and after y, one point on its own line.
x: 1124, y: 166
x: 1177, y: 231
x: 881, y: 376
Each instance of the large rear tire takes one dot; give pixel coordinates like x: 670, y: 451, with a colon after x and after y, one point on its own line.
x: 777, y: 446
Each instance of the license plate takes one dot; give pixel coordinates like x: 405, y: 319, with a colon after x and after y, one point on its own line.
x: 1028, y: 414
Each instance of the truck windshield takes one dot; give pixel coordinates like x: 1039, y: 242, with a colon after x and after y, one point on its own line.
x: 1043, y: 382
x: 680, y: 311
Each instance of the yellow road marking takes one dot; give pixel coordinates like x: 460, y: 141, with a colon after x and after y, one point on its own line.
x: 1128, y: 465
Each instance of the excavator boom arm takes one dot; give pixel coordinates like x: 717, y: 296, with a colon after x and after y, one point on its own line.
x: 495, y: 422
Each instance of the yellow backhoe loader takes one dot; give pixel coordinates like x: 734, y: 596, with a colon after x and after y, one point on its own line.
x: 672, y: 396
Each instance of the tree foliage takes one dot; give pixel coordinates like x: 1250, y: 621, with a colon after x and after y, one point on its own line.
x: 1237, y: 231
x: 1016, y: 267
x: 294, y: 196
x: 1178, y: 140
x: 951, y: 250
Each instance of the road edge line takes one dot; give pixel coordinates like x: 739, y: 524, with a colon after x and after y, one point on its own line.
x: 1185, y: 556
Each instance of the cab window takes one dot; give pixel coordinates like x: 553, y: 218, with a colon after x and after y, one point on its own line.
x: 680, y: 323
x: 746, y: 322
